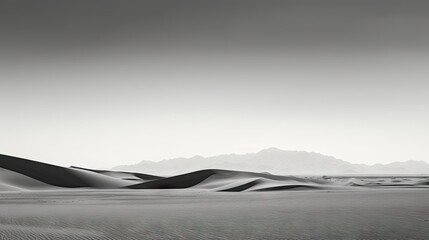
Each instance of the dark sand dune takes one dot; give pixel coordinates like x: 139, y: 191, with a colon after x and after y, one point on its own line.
x: 122, y: 174
x: 46, y: 173
x: 177, y: 182
x: 289, y: 187
x: 423, y: 182
x: 242, y: 187
x: 22, y: 174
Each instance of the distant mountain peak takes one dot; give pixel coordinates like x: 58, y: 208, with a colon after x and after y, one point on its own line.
x: 271, y: 150
x: 276, y: 161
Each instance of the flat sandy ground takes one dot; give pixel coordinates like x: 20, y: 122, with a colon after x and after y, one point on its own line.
x: 151, y: 214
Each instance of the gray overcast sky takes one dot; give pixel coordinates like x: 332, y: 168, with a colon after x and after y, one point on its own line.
x: 105, y: 83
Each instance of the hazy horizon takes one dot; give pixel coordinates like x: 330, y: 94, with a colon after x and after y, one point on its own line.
x: 100, y: 84
x: 213, y: 156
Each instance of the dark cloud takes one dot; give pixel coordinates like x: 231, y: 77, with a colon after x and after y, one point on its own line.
x: 278, y: 25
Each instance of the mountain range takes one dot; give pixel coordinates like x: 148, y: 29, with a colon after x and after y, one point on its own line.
x: 275, y: 161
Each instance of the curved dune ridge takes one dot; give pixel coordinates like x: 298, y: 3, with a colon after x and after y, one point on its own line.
x: 18, y: 174
x: 46, y: 173
x: 13, y: 181
x: 122, y: 175
x: 30, y: 175
x: 232, y: 181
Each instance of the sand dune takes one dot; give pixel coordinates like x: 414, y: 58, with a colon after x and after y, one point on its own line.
x: 18, y: 174
x: 122, y: 174
x: 46, y: 173
x: 96, y: 180
x: 228, y: 181
x: 13, y: 181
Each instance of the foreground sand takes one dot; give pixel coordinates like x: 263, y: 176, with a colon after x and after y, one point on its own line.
x: 193, y: 214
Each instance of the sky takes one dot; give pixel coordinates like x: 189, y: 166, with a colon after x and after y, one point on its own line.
x: 105, y: 83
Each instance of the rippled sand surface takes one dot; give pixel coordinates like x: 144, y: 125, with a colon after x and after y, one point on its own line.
x: 186, y: 214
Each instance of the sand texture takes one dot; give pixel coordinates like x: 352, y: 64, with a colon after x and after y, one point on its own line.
x: 190, y: 214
